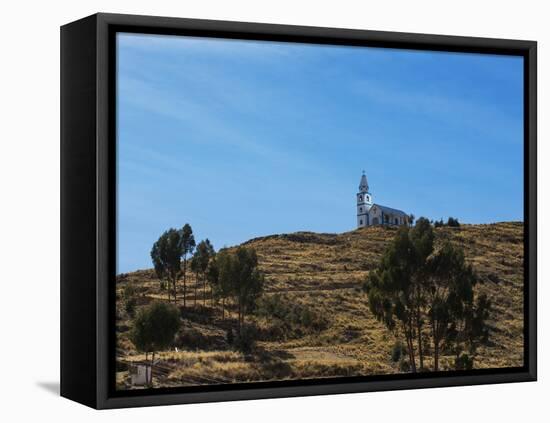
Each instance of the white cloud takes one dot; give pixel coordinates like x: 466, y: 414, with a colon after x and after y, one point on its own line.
x: 202, y: 119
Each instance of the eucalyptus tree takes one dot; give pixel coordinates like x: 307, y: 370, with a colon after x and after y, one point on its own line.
x: 195, y: 268
x: 154, y: 329
x: 206, y: 252
x: 187, y: 247
x: 422, y: 242
x: 166, y: 255
x: 221, y: 287
x: 424, y: 293
x: 235, y: 274
x: 248, y: 282
x: 457, y: 318
x: 391, y: 293
x: 397, y: 288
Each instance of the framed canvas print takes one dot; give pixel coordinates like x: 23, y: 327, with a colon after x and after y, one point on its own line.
x: 255, y: 211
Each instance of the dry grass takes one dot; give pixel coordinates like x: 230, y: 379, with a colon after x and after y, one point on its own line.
x: 324, y: 272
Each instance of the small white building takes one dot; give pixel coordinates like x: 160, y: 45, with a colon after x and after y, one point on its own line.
x: 369, y: 213
x: 140, y: 374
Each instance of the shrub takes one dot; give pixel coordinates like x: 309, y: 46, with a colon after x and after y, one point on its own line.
x: 272, y: 306
x: 129, y: 296
x: 130, y: 306
x: 154, y: 327
x: 464, y: 362
x: 404, y: 366
x: 453, y: 222
x: 229, y: 336
x: 397, y: 351
x: 129, y: 291
x: 192, y: 338
x: 289, y: 318
x: 246, y: 340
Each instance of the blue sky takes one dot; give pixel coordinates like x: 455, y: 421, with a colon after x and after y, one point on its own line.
x: 243, y: 139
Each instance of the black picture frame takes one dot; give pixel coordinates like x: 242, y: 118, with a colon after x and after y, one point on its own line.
x: 88, y: 229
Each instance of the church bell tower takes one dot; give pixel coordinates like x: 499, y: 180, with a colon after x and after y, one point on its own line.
x: 364, y: 202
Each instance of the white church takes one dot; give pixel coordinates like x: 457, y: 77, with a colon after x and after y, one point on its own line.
x: 369, y: 213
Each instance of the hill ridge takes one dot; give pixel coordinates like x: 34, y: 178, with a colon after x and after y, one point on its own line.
x: 322, y: 274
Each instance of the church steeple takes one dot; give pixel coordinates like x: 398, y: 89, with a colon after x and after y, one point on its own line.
x: 363, y: 185
x: 364, y: 202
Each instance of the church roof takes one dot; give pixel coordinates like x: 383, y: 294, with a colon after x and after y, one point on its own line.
x: 363, y: 185
x: 389, y: 210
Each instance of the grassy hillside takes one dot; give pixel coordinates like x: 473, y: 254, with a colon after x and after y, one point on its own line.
x: 324, y: 327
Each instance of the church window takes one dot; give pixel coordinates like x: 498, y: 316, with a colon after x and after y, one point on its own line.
x: 360, y: 222
x: 360, y: 209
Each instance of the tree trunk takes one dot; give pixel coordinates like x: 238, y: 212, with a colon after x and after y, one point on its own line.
x: 436, y: 356
x: 419, y: 336
x: 411, y: 354
x: 175, y: 288
x: 410, y: 342
x: 204, y: 290
x: 413, y: 358
x: 239, y: 317
x: 151, y: 372
x: 223, y: 308
x: 196, y: 285
x: 184, y: 279
x: 418, y: 321
x: 436, y: 344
